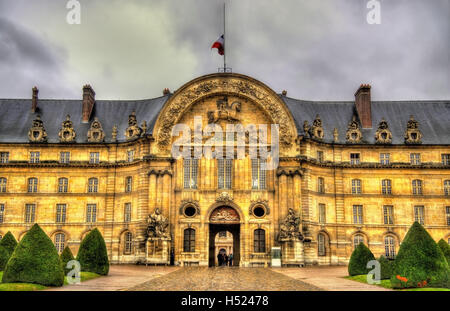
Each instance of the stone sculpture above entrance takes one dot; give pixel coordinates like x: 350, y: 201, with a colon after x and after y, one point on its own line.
x: 224, y: 214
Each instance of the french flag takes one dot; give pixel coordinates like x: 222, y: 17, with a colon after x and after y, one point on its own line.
x: 219, y: 45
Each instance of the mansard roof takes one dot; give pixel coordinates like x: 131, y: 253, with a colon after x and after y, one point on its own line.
x: 16, y: 117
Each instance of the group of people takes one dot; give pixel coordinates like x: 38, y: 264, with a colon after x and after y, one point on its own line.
x: 224, y: 259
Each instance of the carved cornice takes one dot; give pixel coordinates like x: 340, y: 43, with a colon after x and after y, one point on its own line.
x: 160, y: 172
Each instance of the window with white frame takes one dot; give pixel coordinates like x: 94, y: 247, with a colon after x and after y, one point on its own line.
x: 356, y: 186
x: 389, y: 247
x: 60, y: 239
x: 388, y: 214
x: 4, y: 157
x: 130, y: 155
x: 63, y: 184
x: 419, y: 214
x: 385, y: 158
x: 417, y: 187
x: 190, y: 167
x: 357, y: 214
x: 128, y: 184
x: 32, y: 185
x: 322, y: 213
x: 445, y: 159
x: 64, y: 157
x: 91, y: 213
x: 35, y: 156
x: 3, y: 182
x: 61, y: 213
x: 258, y: 174
x: 93, y: 185
x: 446, y: 187
x: 224, y: 174
x: 127, y: 212
x: 354, y: 158
x: 320, y: 185
x: 128, y: 243
x: 414, y: 158
x: 386, y: 187
x: 30, y: 213
x: 357, y: 239
x: 2, y: 213
x: 321, y: 244
x: 94, y: 158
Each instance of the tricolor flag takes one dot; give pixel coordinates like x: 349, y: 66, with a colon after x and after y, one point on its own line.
x: 219, y: 45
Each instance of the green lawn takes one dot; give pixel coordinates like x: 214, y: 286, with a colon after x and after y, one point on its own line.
x: 32, y: 287
x: 387, y: 284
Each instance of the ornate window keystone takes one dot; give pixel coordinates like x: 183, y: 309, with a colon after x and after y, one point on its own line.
x: 383, y: 135
x: 67, y: 133
x: 413, y: 135
x: 354, y: 134
x: 96, y: 133
x: 317, y: 129
x: 37, y: 133
x: 133, y: 131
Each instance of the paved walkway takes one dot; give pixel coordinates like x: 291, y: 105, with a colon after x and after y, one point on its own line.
x: 141, y: 278
x: 328, y: 278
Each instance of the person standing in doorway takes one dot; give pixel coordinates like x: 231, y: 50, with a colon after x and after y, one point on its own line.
x: 220, y: 258
x: 226, y: 260
x: 230, y: 259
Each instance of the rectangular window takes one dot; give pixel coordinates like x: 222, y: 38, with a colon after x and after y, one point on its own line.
x: 356, y: 186
x: 189, y: 241
x: 258, y: 174
x: 34, y: 156
x: 130, y: 155
x: 63, y: 185
x: 32, y: 185
x: 3, y: 182
x: 446, y: 159
x: 190, y: 173
x: 417, y: 187
x: 91, y: 213
x: 320, y: 156
x: 94, y: 158
x: 30, y: 213
x: 260, y: 241
x: 64, y: 157
x: 127, y: 212
x: 388, y: 214
x: 322, y: 213
x: 384, y: 158
x: 419, y: 214
x: 415, y: 158
x: 447, y: 211
x: 357, y: 214
x: 2, y: 213
x: 386, y: 187
x: 354, y: 158
x: 225, y: 169
x: 4, y: 157
x: 128, y: 184
x: 60, y: 213
x: 320, y: 185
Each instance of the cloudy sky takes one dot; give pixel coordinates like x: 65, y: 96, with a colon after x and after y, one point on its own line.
x: 318, y: 50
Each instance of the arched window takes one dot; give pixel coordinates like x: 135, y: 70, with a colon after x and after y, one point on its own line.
x: 3, y: 184
x: 357, y: 239
x: 417, y: 187
x: 32, y: 184
x: 446, y: 187
x: 93, y: 185
x: 189, y: 240
x: 321, y: 244
x: 128, y: 243
x: 128, y: 184
x: 60, y: 239
x: 386, y: 186
x: 62, y: 185
x: 389, y: 247
x: 356, y: 186
x: 260, y: 241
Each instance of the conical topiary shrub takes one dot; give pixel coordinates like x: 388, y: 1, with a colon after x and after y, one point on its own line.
x: 420, y: 262
x: 65, y: 257
x: 7, y: 246
x: 445, y: 248
x: 35, y: 260
x: 386, y: 268
x: 359, y: 259
x: 92, y: 254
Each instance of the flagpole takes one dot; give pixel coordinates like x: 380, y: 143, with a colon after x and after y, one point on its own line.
x: 224, y: 41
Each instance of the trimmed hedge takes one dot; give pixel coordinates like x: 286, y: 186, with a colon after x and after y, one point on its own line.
x: 35, y: 260
x: 7, y: 246
x: 65, y: 257
x: 92, y: 254
x: 386, y: 268
x: 359, y: 259
x: 445, y: 248
x: 420, y: 262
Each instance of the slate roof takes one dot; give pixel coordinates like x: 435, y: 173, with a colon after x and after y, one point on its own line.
x: 16, y: 117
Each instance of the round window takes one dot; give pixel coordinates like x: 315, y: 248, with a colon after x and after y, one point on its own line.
x: 190, y: 211
x: 259, y: 211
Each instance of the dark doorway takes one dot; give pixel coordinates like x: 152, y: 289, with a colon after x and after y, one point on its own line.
x: 235, y: 230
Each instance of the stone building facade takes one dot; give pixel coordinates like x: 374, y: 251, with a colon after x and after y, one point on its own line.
x: 357, y: 171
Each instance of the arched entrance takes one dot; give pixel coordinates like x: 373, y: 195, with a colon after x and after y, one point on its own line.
x: 224, y: 218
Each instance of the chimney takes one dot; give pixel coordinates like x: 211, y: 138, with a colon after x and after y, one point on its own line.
x: 363, y: 105
x: 34, y: 99
x: 88, y: 103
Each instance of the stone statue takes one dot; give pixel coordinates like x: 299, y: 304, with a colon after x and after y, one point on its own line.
x: 157, y: 225
x: 289, y: 228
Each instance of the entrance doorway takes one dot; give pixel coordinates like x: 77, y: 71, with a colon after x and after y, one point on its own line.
x: 214, y: 230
